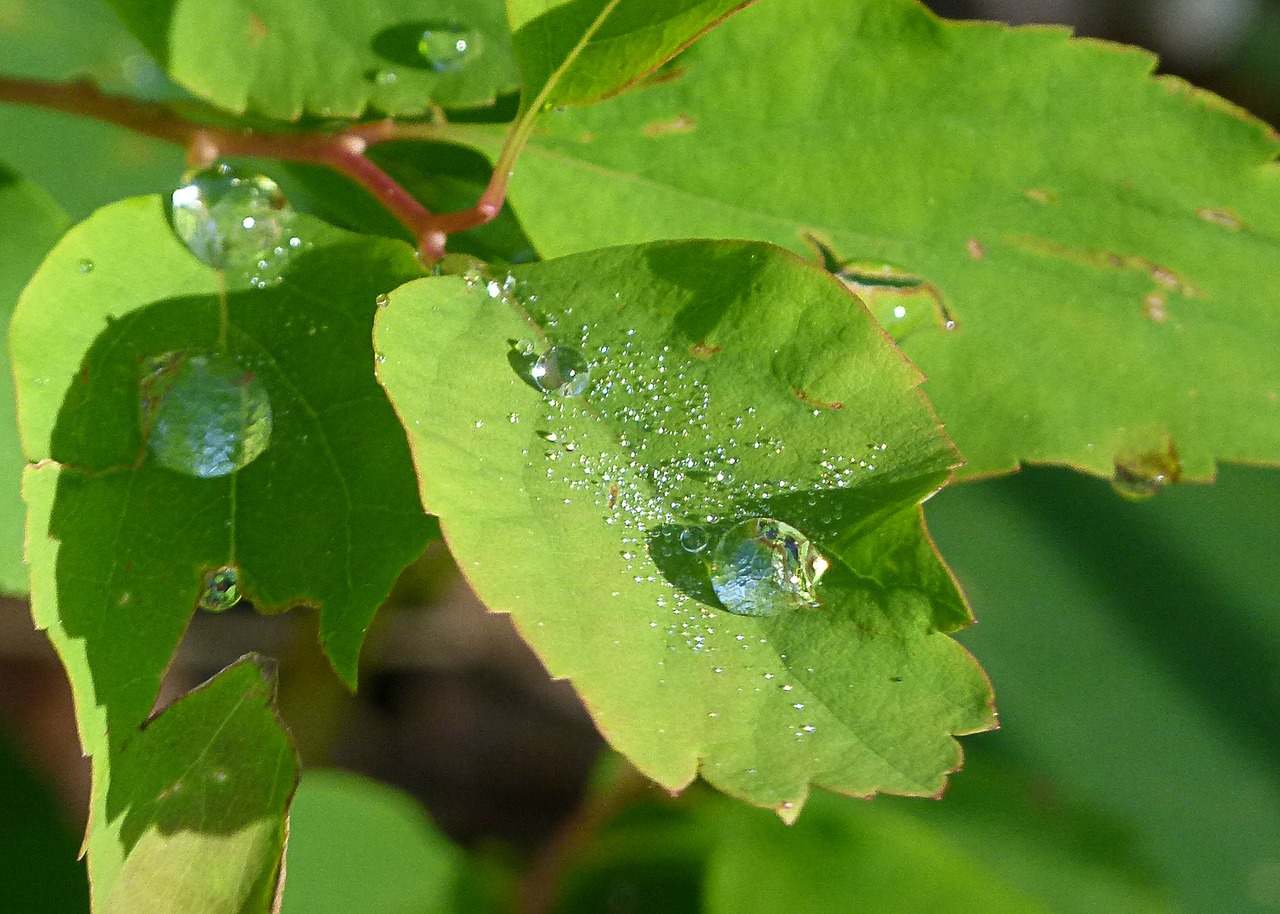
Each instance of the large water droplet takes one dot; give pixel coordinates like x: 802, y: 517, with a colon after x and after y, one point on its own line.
x: 204, y: 415
x: 227, y: 217
x: 562, y: 370
x: 448, y: 47
x: 762, y: 566
x: 221, y: 590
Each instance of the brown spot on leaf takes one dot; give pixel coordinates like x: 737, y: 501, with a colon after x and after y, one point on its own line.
x: 1223, y: 217
x: 704, y: 350
x: 677, y: 125
x: 809, y: 400
x: 257, y: 31
x: 1156, y: 307
x: 976, y: 250
x: 1163, y: 276
x: 1040, y: 195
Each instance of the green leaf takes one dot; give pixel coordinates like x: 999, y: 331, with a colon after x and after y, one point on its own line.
x: 284, y: 59
x: 30, y: 222
x: 839, y: 858
x: 356, y: 845
x: 119, y: 546
x: 997, y: 842
x: 576, y: 52
x: 1070, y: 856
x: 729, y: 380
x: 1106, y: 241
x: 1130, y: 675
x: 196, y: 803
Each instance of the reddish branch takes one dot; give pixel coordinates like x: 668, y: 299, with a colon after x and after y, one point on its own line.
x: 342, y: 150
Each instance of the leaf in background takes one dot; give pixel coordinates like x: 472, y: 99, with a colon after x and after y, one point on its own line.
x: 30, y: 222
x: 1106, y: 241
x: 284, y: 59
x: 357, y: 845
x: 997, y: 842
x: 576, y: 52
x: 844, y: 858
x: 728, y: 380
x: 197, y: 801
x: 118, y: 545
x: 1131, y: 676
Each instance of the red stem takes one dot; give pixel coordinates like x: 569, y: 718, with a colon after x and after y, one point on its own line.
x: 343, y: 151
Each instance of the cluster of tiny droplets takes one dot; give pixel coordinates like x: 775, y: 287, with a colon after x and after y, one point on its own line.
x: 269, y: 270
x: 642, y: 447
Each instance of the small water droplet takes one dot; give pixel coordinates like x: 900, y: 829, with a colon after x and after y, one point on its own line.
x: 693, y: 539
x: 762, y: 566
x: 382, y: 300
x: 562, y: 370
x: 86, y: 265
x: 385, y: 77
x: 228, y: 218
x: 221, y: 590
x: 204, y: 415
x: 1143, y: 476
x: 526, y: 347
x: 448, y: 47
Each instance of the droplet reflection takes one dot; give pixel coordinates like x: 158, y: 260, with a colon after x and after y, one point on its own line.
x: 204, y: 415
x: 762, y: 566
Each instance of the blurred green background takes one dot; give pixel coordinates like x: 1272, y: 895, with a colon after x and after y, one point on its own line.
x: 1134, y: 648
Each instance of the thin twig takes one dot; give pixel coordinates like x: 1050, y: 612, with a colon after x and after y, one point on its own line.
x: 341, y: 150
x: 540, y: 884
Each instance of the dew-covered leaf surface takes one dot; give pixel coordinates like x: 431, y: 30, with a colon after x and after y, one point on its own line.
x: 1107, y: 242
x: 120, y: 545
x: 333, y: 58
x: 197, y: 801
x: 726, y: 381
x: 30, y: 222
x: 357, y: 845
x: 580, y: 51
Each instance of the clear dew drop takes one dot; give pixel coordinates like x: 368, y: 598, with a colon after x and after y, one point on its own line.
x: 204, y: 415
x: 221, y: 590
x: 762, y: 566
x: 526, y: 347
x: 382, y: 300
x: 448, y: 47
x: 562, y: 370
x: 228, y: 218
x: 86, y: 265
x: 693, y: 539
